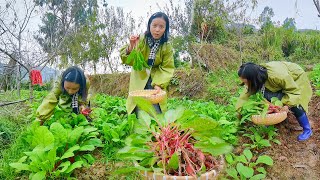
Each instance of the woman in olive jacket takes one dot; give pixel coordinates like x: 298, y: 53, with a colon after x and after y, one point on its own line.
x: 70, y: 93
x: 284, y: 80
x: 158, y: 53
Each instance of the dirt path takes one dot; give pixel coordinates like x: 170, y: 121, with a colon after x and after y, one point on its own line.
x: 293, y: 159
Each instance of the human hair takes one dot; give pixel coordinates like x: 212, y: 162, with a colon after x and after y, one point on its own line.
x: 76, y: 75
x: 255, y: 74
x: 165, y: 36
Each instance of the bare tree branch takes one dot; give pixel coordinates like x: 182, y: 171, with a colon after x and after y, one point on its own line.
x: 317, y: 4
x: 13, y: 58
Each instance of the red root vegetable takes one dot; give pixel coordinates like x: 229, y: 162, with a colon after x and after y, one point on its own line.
x: 171, y: 140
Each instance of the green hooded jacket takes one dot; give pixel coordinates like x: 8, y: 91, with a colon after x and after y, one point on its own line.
x: 57, y: 97
x: 289, y: 78
x: 161, y: 72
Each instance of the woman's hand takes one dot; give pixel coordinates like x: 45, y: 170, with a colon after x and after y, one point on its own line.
x: 134, y: 39
x: 286, y: 108
x: 81, y: 108
x: 158, y: 89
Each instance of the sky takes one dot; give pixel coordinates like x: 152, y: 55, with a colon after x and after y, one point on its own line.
x: 304, y: 11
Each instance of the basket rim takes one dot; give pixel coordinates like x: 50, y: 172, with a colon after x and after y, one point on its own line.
x: 161, y: 93
x: 269, y: 115
x: 215, y: 172
x: 269, y: 119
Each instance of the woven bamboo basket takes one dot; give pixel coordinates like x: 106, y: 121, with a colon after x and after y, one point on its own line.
x: 150, y: 95
x: 269, y: 119
x: 211, y: 175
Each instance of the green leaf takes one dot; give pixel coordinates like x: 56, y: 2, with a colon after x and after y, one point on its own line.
x: 87, y: 130
x: 20, y: 166
x: 215, y: 146
x: 73, y: 166
x: 264, y: 143
x: 145, y: 105
x: 261, y: 170
x: 64, y: 166
x: 90, y: 159
x: 172, y: 115
x: 174, y: 161
x: 258, y: 177
x: 42, y: 136
x: 145, y: 117
x: 241, y: 158
x: 60, y: 134
x: 39, y: 175
x: 23, y: 159
x: 229, y: 159
x: 276, y: 141
x: 95, y: 142
x: 130, y: 170
x: 75, y: 135
x: 245, y: 171
x: 87, y: 148
x: 248, y: 154
x: 200, y: 124
x: 265, y: 160
x: 232, y: 172
x: 115, y: 135
x: 69, y: 152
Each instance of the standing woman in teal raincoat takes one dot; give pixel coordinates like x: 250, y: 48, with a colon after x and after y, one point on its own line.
x: 284, y: 80
x: 158, y: 53
x: 70, y: 93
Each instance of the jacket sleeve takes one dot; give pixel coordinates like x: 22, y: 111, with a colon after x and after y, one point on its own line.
x: 89, y: 93
x: 46, y: 108
x: 291, y: 91
x: 244, y: 97
x: 165, y: 70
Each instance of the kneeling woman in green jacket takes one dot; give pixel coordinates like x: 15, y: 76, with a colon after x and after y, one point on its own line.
x: 158, y: 54
x: 70, y: 94
x: 284, y: 80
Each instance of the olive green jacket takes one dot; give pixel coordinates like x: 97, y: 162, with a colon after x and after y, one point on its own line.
x: 57, y: 97
x: 161, y: 73
x: 289, y: 78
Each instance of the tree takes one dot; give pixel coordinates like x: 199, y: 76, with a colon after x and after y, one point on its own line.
x: 289, y: 23
x: 63, y: 28
x: 209, y: 20
x: 118, y: 27
x: 180, y: 22
x: 265, y: 17
x: 16, y: 44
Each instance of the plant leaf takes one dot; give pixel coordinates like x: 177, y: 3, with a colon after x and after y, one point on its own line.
x: 42, y: 136
x: 258, y: 177
x: 232, y: 172
x: 20, y: 166
x: 39, y: 175
x: 145, y: 105
x: 69, y: 152
x: 87, y: 148
x: 265, y: 160
x: 174, y: 161
x: 73, y: 166
x: 248, y: 154
x: 245, y: 171
x: 60, y: 134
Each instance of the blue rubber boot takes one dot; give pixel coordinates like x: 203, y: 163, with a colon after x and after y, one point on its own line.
x: 304, y: 123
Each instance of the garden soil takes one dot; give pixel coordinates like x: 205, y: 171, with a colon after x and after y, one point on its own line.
x: 296, y: 160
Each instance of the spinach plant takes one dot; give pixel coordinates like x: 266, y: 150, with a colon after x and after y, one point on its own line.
x: 245, y: 166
